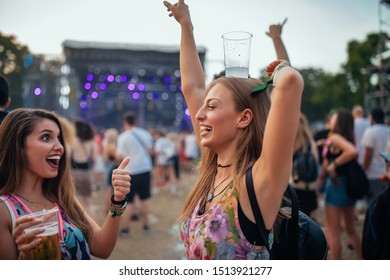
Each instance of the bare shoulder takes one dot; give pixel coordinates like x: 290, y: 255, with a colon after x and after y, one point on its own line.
x: 5, y: 221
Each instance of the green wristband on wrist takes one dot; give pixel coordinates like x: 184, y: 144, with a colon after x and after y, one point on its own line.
x: 117, y: 208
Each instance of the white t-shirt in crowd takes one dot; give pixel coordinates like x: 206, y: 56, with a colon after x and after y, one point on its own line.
x: 191, y: 148
x: 135, y: 144
x: 375, y: 137
x: 164, y: 149
x: 360, y: 126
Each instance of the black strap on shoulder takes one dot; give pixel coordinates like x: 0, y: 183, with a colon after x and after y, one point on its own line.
x: 293, y: 224
x: 256, y: 209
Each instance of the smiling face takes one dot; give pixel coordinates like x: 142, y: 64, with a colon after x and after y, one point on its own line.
x: 43, y: 149
x: 218, y: 118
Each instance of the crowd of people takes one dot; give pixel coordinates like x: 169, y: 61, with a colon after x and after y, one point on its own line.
x: 48, y: 161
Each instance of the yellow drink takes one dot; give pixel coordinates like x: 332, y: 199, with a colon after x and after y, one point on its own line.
x: 49, y: 248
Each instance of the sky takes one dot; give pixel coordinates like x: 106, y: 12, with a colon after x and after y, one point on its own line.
x: 316, y: 33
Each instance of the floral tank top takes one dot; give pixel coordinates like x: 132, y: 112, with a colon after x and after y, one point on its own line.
x: 216, y: 234
x: 73, y: 244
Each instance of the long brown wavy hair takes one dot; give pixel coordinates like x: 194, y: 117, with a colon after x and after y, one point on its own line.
x: 345, y: 125
x: 17, y: 125
x: 249, y: 144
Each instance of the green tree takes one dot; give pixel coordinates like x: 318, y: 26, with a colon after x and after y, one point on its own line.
x: 12, y: 58
x: 363, y: 57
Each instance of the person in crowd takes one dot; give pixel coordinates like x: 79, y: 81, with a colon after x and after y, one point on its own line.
x: 174, y: 137
x: 275, y: 33
x: 360, y: 125
x: 164, y: 151
x: 35, y: 175
x: 69, y: 131
x: 111, y: 159
x: 236, y: 130
x: 5, y: 100
x: 82, y: 155
x: 191, y: 149
x: 374, y: 141
x: 306, y: 192
x: 137, y: 143
x: 98, y: 174
x: 338, y: 150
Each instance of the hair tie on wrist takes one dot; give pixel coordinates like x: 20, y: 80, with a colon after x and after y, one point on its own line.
x: 113, y: 201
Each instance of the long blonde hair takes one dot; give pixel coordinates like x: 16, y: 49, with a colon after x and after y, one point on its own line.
x: 303, y: 134
x: 109, y: 143
x: 249, y: 144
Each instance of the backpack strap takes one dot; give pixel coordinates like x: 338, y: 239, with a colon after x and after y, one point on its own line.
x: 292, y: 225
x: 256, y: 210
x: 308, y: 146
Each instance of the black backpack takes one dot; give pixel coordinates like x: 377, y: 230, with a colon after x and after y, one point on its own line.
x: 376, y: 229
x: 304, y: 166
x: 296, y: 235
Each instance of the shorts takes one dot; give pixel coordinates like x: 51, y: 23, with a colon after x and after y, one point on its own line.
x: 336, y: 195
x: 140, y: 184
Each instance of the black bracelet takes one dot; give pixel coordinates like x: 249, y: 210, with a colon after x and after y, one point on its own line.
x: 117, y: 202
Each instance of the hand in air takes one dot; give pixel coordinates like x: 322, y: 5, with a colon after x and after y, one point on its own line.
x: 179, y: 10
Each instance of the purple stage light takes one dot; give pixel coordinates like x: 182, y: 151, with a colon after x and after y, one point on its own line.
x: 103, y: 86
x: 131, y: 86
x: 123, y: 78
x: 37, y: 91
x: 167, y: 79
x: 135, y: 95
x: 89, y: 77
x: 110, y: 78
x: 95, y: 95
x: 141, y: 87
x: 83, y: 105
x: 187, y: 112
x: 88, y: 86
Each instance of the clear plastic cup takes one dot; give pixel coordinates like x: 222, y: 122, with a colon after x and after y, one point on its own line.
x: 49, y: 247
x: 237, y: 46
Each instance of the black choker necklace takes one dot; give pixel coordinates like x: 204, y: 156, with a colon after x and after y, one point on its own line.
x: 223, y: 166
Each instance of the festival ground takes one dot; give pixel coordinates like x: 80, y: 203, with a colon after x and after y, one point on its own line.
x: 163, y: 241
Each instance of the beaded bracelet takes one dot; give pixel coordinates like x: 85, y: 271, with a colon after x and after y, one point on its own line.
x: 117, y: 208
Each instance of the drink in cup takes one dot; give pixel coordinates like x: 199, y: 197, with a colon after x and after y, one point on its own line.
x: 237, y: 45
x: 49, y: 247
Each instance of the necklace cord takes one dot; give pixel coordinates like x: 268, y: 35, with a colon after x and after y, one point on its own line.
x: 32, y: 202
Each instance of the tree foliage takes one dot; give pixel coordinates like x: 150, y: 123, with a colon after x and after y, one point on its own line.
x: 12, y: 58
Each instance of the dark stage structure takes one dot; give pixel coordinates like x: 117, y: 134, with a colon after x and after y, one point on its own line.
x: 105, y: 80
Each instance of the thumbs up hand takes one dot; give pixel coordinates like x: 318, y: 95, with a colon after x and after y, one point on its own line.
x: 121, y: 180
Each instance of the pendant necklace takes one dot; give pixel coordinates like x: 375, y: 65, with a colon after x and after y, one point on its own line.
x: 211, y: 195
x: 36, y: 203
